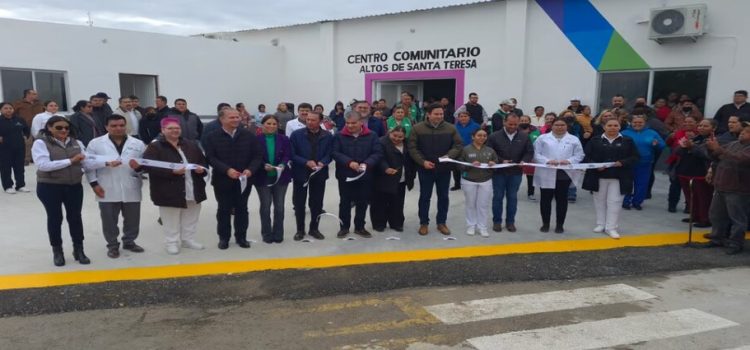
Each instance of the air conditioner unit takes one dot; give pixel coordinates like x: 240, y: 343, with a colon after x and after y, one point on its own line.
x: 679, y: 22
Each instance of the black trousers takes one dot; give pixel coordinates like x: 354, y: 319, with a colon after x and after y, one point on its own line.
x: 456, y: 178
x: 54, y: 197
x: 529, y: 185
x: 12, y: 162
x: 317, y: 190
x: 560, y: 195
x: 357, y: 192
x: 231, y: 199
x: 388, y: 208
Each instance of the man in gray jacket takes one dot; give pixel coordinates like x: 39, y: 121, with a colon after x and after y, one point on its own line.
x: 512, y: 146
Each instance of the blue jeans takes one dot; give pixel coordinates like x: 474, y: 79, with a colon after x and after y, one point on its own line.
x: 505, y: 186
x: 272, y: 231
x: 641, y: 177
x: 441, y: 182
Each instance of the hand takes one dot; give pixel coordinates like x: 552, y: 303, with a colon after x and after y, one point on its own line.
x: 233, y: 174
x: 710, y: 176
x: 133, y: 164
x: 476, y: 163
x: 553, y: 162
x: 563, y: 162
x: 200, y: 170
x: 618, y: 164
x: 1, y: 139
x: 654, y: 142
x: 391, y: 171
x: 247, y: 173
x: 354, y: 166
x: 491, y: 163
x: 269, y: 167
x: 428, y: 165
x: 586, y: 135
x: 180, y: 171
x: 77, y: 158
x: 712, y: 144
x: 321, y: 165
x: 507, y: 161
x: 114, y: 163
x: 311, y: 164
x: 99, y: 191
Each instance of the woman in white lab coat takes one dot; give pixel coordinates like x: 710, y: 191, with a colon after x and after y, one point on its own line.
x: 556, y: 148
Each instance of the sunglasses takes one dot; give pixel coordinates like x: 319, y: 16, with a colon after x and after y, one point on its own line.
x: 60, y: 127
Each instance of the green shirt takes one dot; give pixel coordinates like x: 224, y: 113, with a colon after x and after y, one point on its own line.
x: 271, y: 150
x: 405, y: 123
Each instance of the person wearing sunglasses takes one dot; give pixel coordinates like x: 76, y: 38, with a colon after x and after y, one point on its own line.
x: 60, y: 162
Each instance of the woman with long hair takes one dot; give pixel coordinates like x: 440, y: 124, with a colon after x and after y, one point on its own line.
x: 273, y: 180
x: 610, y: 185
x: 557, y: 147
x: 84, y: 123
x: 477, y: 183
x: 59, y: 159
x: 393, y: 177
x: 40, y: 120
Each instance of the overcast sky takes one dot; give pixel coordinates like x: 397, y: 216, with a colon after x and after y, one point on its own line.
x: 194, y: 16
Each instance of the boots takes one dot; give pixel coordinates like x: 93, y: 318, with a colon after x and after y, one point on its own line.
x: 79, y: 255
x: 57, y: 256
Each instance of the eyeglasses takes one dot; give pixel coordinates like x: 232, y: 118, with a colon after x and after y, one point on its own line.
x: 60, y: 127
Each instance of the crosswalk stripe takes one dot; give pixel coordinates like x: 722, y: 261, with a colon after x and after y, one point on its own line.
x: 527, y: 304
x: 607, y: 333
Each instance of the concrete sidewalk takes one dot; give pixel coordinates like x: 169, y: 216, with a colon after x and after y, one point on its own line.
x: 27, y: 251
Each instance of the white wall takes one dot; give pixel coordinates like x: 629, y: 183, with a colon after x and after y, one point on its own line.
x: 203, y: 71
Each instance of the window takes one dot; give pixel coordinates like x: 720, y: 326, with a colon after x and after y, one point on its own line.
x: 653, y: 84
x: 49, y: 84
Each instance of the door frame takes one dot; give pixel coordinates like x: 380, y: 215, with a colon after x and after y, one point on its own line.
x: 459, y: 75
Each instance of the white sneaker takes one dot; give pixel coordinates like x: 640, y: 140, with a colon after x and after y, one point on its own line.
x: 24, y: 190
x: 613, y: 234
x: 10, y: 191
x: 483, y: 232
x: 192, y: 244
x: 173, y: 249
x: 599, y: 229
x: 470, y: 231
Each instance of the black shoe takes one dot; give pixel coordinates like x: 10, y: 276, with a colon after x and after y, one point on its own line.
x: 648, y: 196
x: 243, y: 243
x: 702, y: 224
x: 58, y: 258
x: 686, y: 220
x: 223, y: 245
x: 637, y: 207
x: 316, y: 234
x: 133, y: 248
x: 79, y: 256
x: 571, y: 200
x: 672, y: 209
x: 497, y: 227
x: 559, y: 229
x: 709, y: 244
x: 363, y: 233
x: 544, y: 228
x: 113, y: 252
x: 342, y: 233
x: 398, y: 228
x: 159, y: 221
x: 299, y: 235
x: 455, y: 188
x: 626, y: 206
x: 269, y: 241
x: 733, y: 250
x: 378, y: 229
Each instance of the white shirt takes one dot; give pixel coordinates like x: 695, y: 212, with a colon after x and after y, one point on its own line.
x: 537, y: 121
x: 510, y: 136
x: 294, y: 125
x: 548, y: 147
x: 133, y: 120
x: 39, y: 122
x: 121, y: 183
x: 40, y: 155
x: 604, y: 136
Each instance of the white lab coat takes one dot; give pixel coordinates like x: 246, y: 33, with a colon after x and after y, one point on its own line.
x: 121, y: 183
x: 547, y: 147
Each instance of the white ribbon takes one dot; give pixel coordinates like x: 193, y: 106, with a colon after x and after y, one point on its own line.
x: 331, y: 215
x: 362, y: 172
x: 279, y: 171
x: 580, y: 166
x: 243, y: 183
x: 317, y: 169
x: 146, y: 162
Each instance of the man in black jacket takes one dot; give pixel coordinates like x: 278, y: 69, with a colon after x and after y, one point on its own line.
x: 739, y: 107
x: 357, y: 151
x: 235, y: 156
x: 101, y: 110
x: 512, y: 146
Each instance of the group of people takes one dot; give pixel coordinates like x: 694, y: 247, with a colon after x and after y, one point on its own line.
x: 377, y: 159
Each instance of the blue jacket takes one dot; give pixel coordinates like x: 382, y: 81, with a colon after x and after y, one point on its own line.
x: 375, y: 125
x: 366, y: 148
x: 301, y: 153
x: 644, y: 143
x: 466, y: 131
x: 282, y: 155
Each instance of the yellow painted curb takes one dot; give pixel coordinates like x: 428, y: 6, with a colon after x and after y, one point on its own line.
x: 50, y: 279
